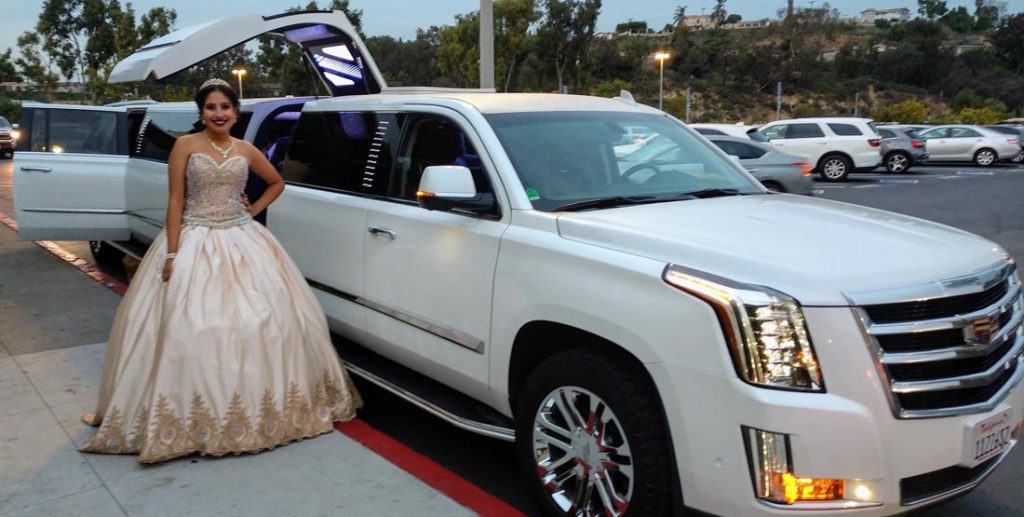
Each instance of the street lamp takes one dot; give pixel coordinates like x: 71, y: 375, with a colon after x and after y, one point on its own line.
x: 239, y: 72
x: 661, y: 57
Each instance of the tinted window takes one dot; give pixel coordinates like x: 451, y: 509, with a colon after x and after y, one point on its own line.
x: 160, y: 130
x: 963, y: 132
x: 1006, y: 130
x: 913, y: 134
x: 804, y: 131
x: 935, y: 133
x: 743, y: 151
x: 845, y: 129
x: 346, y: 151
x: 73, y: 131
x: 756, y: 136
x: 432, y: 140
x: 885, y: 133
x: 708, y: 131
x: 775, y: 132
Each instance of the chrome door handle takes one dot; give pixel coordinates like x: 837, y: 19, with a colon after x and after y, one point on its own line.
x: 391, y: 234
x: 36, y: 169
x: 753, y: 170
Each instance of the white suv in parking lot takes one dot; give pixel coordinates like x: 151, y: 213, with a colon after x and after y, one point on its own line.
x: 653, y: 334
x: 837, y: 146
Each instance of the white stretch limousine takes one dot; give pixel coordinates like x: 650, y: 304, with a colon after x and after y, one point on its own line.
x: 653, y: 335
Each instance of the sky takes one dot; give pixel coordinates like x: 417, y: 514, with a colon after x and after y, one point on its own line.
x: 401, y: 18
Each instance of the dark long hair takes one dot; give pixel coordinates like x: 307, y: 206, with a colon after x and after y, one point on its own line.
x: 205, y: 92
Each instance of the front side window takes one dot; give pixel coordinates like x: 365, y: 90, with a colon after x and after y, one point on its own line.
x: 433, y: 140
x: 804, y: 131
x: 343, y: 151
x: 160, y: 130
x: 845, y: 129
x: 935, y: 133
x: 567, y: 160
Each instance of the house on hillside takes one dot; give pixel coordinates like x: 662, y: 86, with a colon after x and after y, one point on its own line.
x: 870, y: 16
x: 698, y: 21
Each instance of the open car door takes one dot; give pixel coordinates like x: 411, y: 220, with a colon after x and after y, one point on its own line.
x: 328, y: 40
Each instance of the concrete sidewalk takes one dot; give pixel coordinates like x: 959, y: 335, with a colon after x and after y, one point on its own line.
x: 53, y: 320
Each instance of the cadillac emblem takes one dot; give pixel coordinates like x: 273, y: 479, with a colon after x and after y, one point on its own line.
x: 983, y: 328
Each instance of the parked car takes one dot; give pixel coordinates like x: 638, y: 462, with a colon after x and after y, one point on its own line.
x: 652, y: 337
x: 837, y: 146
x: 1017, y: 131
x: 740, y: 130
x: 7, y: 138
x: 775, y: 169
x: 902, y: 148
x: 963, y: 143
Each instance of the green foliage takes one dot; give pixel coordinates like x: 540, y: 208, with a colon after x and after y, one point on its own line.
x: 632, y: 26
x: 906, y: 112
x: 8, y: 73
x: 733, y: 18
x: 959, y: 20
x: 982, y: 116
x: 612, y: 88
x: 807, y: 110
x: 965, y: 98
x: 676, y: 106
x: 1009, y: 41
x: 10, y: 109
x: 932, y: 9
x: 565, y: 33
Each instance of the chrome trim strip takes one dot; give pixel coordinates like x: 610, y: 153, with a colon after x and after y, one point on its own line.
x: 969, y: 283
x: 964, y: 381
x: 965, y: 487
x: 1004, y: 304
x: 449, y: 334
x: 100, y: 211
x: 959, y: 352
x: 492, y: 431
x: 980, y: 407
x: 822, y: 507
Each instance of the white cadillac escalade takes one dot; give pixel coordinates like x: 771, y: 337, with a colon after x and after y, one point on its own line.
x: 653, y: 329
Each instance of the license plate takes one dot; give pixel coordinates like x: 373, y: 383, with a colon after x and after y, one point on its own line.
x: 988, y: 438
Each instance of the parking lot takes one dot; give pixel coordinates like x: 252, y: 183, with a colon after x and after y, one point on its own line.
x: 980, y: 200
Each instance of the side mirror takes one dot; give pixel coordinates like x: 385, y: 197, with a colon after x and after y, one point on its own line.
x: 451, y: 187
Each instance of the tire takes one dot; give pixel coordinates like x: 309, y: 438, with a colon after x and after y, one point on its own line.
x: 898, y: 162
x: 1019, y: 157
x: 774, y: 186
x: 834, y: 167
x: 105, y: 253
x: 552, y: 408
x: 985, y: 157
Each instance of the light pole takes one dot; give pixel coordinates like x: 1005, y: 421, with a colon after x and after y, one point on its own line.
x: 239, y: 72
x: 661, y: 57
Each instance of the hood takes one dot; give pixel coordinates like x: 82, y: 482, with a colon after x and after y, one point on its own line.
x: 811, y: 249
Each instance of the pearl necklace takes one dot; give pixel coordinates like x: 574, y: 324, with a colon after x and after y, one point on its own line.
x: 224, y: 151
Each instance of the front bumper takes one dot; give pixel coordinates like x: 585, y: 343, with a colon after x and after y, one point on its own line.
x: 849, y: 432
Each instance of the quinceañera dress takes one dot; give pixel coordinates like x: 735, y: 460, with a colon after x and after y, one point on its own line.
x: 232, y: 354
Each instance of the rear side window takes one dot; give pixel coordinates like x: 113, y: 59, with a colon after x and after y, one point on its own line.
x: 73, y: 131
x: 344, y: 151
x: 804, y: 131
x: 708, y: 131
x: 159, y: 131
x: 845, y: 129
x: 963, y: 132
x: 885, y: 133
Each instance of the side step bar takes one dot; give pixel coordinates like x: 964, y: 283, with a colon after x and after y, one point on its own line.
x: 433, y: 397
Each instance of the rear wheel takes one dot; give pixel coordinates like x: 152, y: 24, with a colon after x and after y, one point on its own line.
x: 985, y: 157
x: 897, y: 162
x: 105, y: 253
x: 591, y: 438
x: 834, y: 167
x: 1019, y: 157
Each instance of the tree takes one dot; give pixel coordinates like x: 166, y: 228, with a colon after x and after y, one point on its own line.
x: 733, y: 18
x: 959, y: 20
x: 633, y: 27
x: 155, y: 23
x: 458, y: 55
x: 679, y: 17
x: 8, y: 72
x: 906, y: 112
x: 718, y: 13
x: 932, y: 9
x: 965, y: 98
x: 34, y: 63
x: 1009, y: 41
x: 987, y: 13
x: 565, y: 34
x: 512, y: 22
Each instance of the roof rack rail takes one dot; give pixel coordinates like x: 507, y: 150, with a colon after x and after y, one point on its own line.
x: 434, y: 89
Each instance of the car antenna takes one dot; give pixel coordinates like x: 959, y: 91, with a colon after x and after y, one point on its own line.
x: 626, y: 97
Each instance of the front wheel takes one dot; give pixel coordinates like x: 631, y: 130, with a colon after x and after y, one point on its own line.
x: 834, y: 167
x: 591, y: 438
x: 105, y: 253
x: 985, y: 157
x: 897, y: 162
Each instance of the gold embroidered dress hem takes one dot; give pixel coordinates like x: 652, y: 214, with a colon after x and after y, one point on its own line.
x: 232, y: 355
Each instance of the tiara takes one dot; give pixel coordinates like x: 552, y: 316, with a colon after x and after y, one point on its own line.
x: 218, y: 82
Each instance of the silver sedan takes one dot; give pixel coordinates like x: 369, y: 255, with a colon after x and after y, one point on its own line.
x: 961, y: 143
x: 775, y: 169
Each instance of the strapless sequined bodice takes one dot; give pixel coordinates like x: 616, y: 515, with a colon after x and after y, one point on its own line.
x: 213, y: 192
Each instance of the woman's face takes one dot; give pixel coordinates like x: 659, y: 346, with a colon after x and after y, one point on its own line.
x: 218, y: 113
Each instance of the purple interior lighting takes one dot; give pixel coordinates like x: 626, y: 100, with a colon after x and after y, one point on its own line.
x: 304, y: 34
x: 333, y: 65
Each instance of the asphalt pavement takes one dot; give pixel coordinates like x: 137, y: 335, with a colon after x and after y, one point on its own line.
x: 984, y: 201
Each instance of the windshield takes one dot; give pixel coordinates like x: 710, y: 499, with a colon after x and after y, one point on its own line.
x: 564, y: 158
x: 4, y: 123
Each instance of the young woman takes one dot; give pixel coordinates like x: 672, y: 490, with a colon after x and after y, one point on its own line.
x: 219, y: 346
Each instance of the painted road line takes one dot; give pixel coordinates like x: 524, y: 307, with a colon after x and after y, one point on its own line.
x: 899, y: 181
x: 975, y: 173
x: 452, y: 485
x: 868, y: 186
x: 951, y: 177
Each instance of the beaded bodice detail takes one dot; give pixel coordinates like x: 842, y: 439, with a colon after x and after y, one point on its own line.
x: 213, y: 191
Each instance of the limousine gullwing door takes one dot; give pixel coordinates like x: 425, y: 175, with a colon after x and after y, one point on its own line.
x: 328, y: 40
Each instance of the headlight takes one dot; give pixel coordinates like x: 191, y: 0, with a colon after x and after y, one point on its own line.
x: 765, y: 330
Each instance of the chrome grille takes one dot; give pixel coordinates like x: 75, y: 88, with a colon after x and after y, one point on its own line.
x: 947, y: 355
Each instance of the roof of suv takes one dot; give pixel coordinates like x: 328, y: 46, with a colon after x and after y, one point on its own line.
x: 496, y: 102
x: 825, y: 120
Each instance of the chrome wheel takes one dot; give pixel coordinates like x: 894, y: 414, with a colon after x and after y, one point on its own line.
x: 897, y: 163
x: 834, y: 169
x: 985, y: 157
x: 1019, y: 157
x: 581, y: 453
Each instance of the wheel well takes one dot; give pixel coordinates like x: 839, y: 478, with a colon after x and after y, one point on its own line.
x: 986, y: 149
x: 539, y: 340
x: 834, y: 153
x: 896, y: 151
x: 773, y: 185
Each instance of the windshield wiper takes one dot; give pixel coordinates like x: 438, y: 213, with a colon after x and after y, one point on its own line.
x: 605, y: 202
x: 713, y: 192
